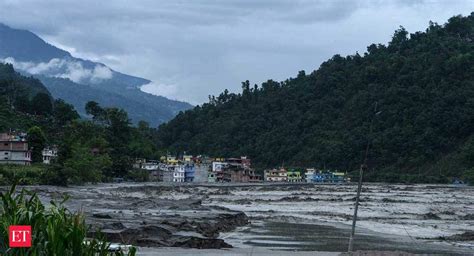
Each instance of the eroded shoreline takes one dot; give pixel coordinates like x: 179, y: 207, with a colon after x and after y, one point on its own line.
x: 209, y: 215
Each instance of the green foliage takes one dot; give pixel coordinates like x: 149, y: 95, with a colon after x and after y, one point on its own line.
x: 139, y: 175
x: 64, y: 113
x: 55, y: 230
x: 36, y: 141
x: 85, y: 166
x: 422, y: 86
x: 21, y: 174
x: 41, y: 104
x: 89, y: 151
x: 468, y: 176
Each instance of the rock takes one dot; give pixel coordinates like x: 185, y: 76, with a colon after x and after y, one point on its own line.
x: 431, y: 216
x: 101, y: 216
x: 466, y: 236
x: 114, y: 225
x: 200, y: 243
x: 468, y: 217
x: 225, y: 222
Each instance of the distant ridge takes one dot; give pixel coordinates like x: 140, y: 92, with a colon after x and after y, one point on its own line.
x: 77, y: 80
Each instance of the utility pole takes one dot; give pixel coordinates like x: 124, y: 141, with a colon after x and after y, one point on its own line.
x: 363, y: 167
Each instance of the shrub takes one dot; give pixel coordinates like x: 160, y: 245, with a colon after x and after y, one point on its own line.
x: 55, y: 230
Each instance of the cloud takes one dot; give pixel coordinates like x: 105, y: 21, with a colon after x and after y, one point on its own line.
x: 167, y: 90
x: 64, y: 68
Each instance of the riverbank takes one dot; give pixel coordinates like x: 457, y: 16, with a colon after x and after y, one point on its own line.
x: 278, y: 217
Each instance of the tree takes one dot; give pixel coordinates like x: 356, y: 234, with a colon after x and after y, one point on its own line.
x: 64, y: 112
x: 93, y: 108
x: 422, y: 83
x: 118, y: 136
x: 86, y: 166
x: 41, y: 104
x: 36, y: 141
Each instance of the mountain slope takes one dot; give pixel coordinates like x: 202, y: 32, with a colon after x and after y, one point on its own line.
x: 58, y: 70
x: 417, y: 93
x: 16, y: 94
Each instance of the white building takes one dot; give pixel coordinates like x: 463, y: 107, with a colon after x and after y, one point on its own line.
x: 218, y: 166
x: 178, y: 173
x: 150, y: 166
x: 49, y: 154
x: 276, y: 175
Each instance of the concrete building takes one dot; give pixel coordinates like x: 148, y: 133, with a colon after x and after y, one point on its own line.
x: 201, y: 172
x: 178, y: 173
x: 14, y: 149
x: 211, y: 177
x: 150, y: 165
x: 276, y: 175
x: 325, y: 176
x: 189, y: 172
x: 294, y: 176
x: 218, y: 166
x: 49, y: 154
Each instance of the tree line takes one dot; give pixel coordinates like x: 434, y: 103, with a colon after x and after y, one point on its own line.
x: 412, y: 100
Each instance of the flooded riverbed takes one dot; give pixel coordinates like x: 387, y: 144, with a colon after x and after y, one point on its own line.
x: 301, y: 217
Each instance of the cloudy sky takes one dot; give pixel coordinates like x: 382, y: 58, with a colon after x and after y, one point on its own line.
x: 194, y: 48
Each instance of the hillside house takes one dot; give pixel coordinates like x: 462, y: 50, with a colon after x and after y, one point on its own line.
x: 49, y: 154
x: 14, y: 149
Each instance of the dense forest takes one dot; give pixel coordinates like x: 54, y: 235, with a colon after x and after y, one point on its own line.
x: 90, y: 150
x: 412, y: 100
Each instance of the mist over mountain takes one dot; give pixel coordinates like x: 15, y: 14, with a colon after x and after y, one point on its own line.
x: 78, y: 81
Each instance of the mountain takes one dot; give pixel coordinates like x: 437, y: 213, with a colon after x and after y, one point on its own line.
x: 77, y: 80
x: 412, y: 99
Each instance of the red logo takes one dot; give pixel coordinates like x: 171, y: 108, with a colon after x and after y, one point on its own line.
x: 19, y: 236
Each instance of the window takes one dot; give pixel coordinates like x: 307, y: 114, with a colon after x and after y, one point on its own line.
x: 6, y: 153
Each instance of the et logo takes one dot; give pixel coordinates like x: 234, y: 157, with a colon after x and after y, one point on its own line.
x: 19, y: 236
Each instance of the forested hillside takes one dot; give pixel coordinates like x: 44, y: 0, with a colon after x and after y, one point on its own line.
x: 417, y: 91
x: 20, y: 98
x: 89, y: 150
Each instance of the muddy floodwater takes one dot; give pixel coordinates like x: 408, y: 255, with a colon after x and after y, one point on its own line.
x: 280, y: 217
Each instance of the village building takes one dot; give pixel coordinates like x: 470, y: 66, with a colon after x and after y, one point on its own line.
x: 188, y: 159
x: 235, y: 173
x: 276, y: 175
x: 253, y: 177
x: 309, y: 174
x: 211, y: 177
x: 202, y: 168
x: 218, y: 166
x: 189, y: 172
x: 150, y: 165
x: 325, y: 176
x: 178, y: 173
x: 49, y: 154
x: 14, y: 149
x: 294, y: 176
x: 138, y: 163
